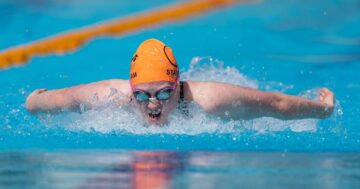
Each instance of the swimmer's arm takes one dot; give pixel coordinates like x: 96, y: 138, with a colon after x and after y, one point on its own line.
x: 70, y: 99
x: 235, y: 102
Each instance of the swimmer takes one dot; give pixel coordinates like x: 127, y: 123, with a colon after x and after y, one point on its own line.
x: 155, y: 90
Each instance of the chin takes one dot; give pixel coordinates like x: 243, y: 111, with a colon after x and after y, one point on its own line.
x: 157, y: 123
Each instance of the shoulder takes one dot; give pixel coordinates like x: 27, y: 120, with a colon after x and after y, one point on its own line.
x: 205, y: 86
x: 119, y: 84
x: 211, y: 95
x: 197, y: 89
x: 201, y: 92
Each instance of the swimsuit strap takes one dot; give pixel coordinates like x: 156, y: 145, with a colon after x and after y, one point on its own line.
x: 182, y: 104
x: 182, y: 91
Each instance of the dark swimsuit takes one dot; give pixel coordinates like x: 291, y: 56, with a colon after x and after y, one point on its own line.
x: 182, y: 103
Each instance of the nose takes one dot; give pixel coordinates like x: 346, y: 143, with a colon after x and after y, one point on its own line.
x: 153, y: 103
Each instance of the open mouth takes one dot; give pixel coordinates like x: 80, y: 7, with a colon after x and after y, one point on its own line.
x: 155, y: 115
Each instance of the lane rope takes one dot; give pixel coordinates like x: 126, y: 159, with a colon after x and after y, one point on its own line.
x: 74, y: 39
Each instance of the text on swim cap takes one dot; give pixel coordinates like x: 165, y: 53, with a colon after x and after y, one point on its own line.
x: 133, y: 75
x: 134, y: 58
x: 172, y: 72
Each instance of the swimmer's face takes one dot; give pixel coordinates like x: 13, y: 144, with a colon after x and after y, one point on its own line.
x: 154, y: 111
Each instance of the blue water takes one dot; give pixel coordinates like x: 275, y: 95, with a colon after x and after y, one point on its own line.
x: 118, y: 169
x: 294, y: 47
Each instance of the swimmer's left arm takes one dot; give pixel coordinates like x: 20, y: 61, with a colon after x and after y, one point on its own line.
x: 232, y: 101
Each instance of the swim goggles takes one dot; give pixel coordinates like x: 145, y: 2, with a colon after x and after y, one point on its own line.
x: 161, y: 95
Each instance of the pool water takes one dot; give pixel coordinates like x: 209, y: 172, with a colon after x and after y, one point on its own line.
x: 294, y: 47
x: 180, y: 169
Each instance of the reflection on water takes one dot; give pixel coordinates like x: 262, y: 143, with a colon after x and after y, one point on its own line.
x: 18, y: 170
x: 145, y: 170
x: 164, y: 169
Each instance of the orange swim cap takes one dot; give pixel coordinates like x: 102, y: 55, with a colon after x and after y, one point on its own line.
x: 153, y: 61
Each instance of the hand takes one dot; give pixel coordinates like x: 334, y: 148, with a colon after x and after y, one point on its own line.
x: 38, y: 91
x: 327, y: 97
x: 31, y: 102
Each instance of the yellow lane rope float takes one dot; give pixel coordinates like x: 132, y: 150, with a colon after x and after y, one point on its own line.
x: 70, y: 41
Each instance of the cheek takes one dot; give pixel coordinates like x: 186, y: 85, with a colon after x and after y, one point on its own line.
x: 169, y: 105
x: 139, y: 106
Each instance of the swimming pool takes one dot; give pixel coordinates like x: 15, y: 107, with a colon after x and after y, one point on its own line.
x: 294, y: 47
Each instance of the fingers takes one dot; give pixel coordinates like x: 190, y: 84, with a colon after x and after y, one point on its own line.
x: 322, y: 94
x: 38, y: 91
x: 325, y: 92
x: 326, y: 96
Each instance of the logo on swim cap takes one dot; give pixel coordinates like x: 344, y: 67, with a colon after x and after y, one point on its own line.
x: 153, y: 61
x: 169, y: 49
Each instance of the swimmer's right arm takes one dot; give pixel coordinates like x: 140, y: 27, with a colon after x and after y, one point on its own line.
x: 236, y: 102
x: 88, y: 95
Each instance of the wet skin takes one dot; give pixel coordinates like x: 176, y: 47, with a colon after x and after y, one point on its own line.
x: 155, y: 112
x: 213, y: 97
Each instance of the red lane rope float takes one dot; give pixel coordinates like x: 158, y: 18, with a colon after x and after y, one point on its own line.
x: 70, y: 41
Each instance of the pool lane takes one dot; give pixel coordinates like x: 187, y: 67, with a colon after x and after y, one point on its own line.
x: 72, y: 40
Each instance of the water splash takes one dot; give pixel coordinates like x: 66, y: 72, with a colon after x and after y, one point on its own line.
x: 125, y: 121
x: 209, y: 69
